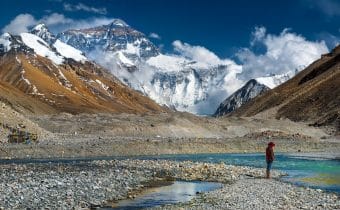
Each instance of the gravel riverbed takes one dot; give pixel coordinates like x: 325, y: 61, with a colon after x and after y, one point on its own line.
x: 99, y: 183
x: 261, y: 194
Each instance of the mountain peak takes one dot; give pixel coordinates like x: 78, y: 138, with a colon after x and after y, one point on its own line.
x: 43, y: 32
x: 118, y: 22
x: 40, y: 27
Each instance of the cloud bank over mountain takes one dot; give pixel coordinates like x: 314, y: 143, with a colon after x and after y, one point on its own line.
x: 190, y: 77
x: 284, y: 52
x: 56, y: 22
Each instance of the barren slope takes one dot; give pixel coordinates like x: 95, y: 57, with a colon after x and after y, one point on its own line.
x: 33, y: 84
x: 312, y: 96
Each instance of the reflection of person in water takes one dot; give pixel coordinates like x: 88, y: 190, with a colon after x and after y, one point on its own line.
x: 269, y: 158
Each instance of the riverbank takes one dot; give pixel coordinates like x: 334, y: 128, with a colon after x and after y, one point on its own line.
x: 102, y: 183
x: 253, y: 193
x: 99, y: 183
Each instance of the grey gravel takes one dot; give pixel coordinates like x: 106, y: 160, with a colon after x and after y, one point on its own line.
x: 261, y: 194
x: 100, y: 183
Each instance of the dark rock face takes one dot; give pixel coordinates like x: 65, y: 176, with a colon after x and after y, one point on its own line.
x: 249, y: 91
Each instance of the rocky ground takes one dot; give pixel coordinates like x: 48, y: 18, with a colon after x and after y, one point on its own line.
x: 261, y: 194
x: 85, y: 135
x: 101, y: 183
x: 96, y: 183
x: 94, y: 146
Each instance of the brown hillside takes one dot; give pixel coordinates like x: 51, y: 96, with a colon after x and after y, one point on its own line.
x: 33, y: 84
x: 312, y: 96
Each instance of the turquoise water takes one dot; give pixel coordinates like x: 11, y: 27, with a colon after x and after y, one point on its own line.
x: 305, y: 171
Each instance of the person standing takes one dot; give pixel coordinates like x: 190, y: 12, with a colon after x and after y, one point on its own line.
x: 269, y: 158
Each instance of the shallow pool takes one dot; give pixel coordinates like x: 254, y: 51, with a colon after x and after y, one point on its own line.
x: 178, y: 191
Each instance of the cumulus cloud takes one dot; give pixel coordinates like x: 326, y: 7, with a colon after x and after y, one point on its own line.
x: 258, y: 34
x: 198, y: 53
x: 56, y: 22
x: 154, y: 36
x: 83, y: 7
x: 20, y: 24
x: 205, y: 59
x: 284, y: 52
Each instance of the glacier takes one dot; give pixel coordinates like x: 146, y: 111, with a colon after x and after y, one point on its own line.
x: 181, y: 83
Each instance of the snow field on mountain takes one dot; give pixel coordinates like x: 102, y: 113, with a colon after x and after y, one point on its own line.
x: 40, y: 47
x: 69, y: 52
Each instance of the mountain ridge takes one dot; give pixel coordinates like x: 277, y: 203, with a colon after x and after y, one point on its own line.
x: 313, y: 95
x: 41, y: 78
x: 250, y: 90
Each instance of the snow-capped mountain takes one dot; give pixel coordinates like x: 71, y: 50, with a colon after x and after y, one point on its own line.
x: 176, y: 81
x: 41, y: 77
x: 250, y: 90
x: 42, y: 31
x: 114, y: 37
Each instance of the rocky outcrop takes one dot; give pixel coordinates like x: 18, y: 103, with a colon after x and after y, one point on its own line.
x: 249, y: 91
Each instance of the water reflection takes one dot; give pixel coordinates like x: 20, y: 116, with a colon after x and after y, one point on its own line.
x: 179, y: 191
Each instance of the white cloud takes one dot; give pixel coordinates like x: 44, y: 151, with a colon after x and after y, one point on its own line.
x: 199, y: 54
x: 20, y: 24
x: 56, y: 22
x: 284, y: 52
x: 83, y: 7
x: 258, y: 34
x: 79, y: 24
x: 154, y: 36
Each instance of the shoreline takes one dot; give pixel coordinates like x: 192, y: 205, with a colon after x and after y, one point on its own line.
x: 315, y: 155
x: 96, y: 183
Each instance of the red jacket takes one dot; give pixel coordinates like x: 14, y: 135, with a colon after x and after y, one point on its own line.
x: 270, y: 154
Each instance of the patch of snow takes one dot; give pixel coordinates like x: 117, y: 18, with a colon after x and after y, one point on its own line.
x: 24, y: 79
x: 123, y: 59
x: 65, y: 82
x: 40, y: 47
x: 5, y: 41
x: 273, y: 81
x: 132, y: 49
x: 105, y: 87
x: 119, y: 22
x: 17, y: 59
x: 167, y: 62
x: 36, y: 92
x: 69, y: 52
x: 137, y: 42
x: 39, y: 27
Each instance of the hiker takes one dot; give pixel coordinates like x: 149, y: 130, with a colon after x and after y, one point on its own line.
x: 269, y: 158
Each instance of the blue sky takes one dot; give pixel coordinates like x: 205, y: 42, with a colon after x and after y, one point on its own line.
x: 220, y: 26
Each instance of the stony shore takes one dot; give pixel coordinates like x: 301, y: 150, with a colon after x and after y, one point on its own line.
x: 100, y: 183
x: 97, y: 183
x: 261, y: 194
